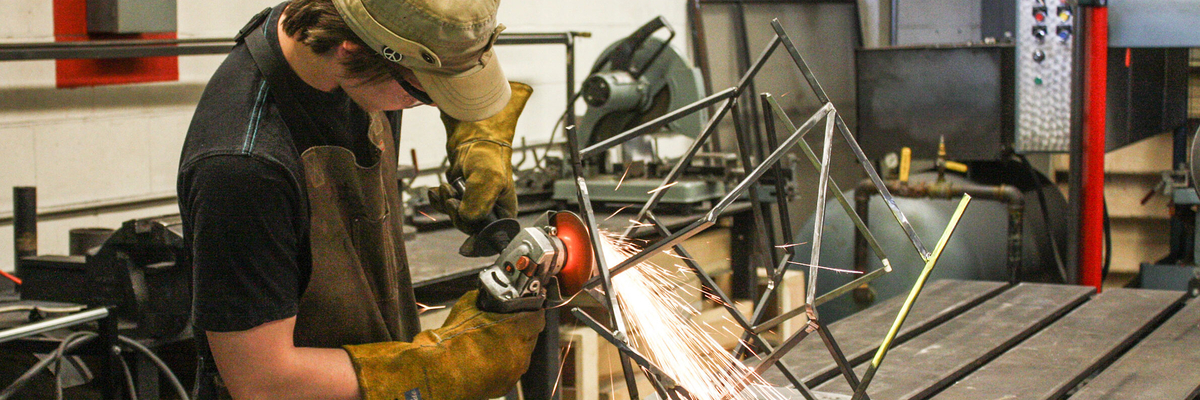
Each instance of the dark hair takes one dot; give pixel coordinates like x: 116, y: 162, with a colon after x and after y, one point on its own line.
x: 317, y: 24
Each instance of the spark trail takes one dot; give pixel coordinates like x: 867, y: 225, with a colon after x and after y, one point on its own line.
x: 661, y: 326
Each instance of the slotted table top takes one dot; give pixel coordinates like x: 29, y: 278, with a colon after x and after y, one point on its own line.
x: 986, y: 340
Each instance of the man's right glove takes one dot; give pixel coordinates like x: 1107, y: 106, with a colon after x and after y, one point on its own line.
x: 474, y: 355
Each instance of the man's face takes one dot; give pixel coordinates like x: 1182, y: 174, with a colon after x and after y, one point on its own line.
x: 383, y: 95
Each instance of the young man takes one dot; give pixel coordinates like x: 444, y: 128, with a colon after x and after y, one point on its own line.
x: 288, y: 193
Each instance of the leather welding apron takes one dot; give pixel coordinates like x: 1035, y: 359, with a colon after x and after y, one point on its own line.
x: 360, y: 290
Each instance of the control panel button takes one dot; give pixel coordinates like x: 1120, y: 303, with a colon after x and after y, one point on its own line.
x: 1064, y: 14
x: 1039, y: 13
x: 1064, y: 32
x: 1039, y: 32
x: 1039, y: 56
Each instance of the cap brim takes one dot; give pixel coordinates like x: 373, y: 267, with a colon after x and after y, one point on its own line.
x: 468, y: 96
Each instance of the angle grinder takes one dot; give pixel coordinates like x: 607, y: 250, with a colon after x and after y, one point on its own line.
x: 544, y: 263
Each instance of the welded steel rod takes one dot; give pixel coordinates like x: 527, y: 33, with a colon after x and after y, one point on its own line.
x: 858, y: 153
x: 654, y: 124
x: 825, y: 298
x: 712, y: 123
x: 589, y: 218
x: 711, y: 217
x: 624, y: 348
x: 861, y: 390
x: 787, y: 345
x: 781, y: 200
x: 819, y: 224
x: 709, y: 284
x: 836, y: 189
x: 783, y: 149
x: 759, y: 248
x: 839, y: 357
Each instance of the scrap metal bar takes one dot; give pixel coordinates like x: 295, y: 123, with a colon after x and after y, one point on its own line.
x: 833, y: 294
x: 861, y: 389
x: 858, y: 153
x: 687, y: 158
x: 819, y: 224
x: 837, y: 190
x: 656, y: 123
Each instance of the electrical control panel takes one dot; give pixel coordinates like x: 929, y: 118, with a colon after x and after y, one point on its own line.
x: 1045, y: 39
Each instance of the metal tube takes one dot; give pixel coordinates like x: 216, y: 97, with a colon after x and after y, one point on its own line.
x: 709, y: 284
x: 861, y: 390
x: 862, y: 280
x: 712, y: 123
x: 858, y: 153
x: 25, y: 240
x: 771, y: 159
x: 1007, y: 194
x: 53, y: 323
x: 759, y: 251
x: 819, y: 224
x: 655, y: 123
x: 781, y: 200
x: 837, y: 190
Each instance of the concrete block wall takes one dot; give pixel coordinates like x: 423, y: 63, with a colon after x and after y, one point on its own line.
x: 103, y: 144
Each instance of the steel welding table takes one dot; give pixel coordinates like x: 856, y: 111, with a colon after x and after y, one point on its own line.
x: 990, y: 340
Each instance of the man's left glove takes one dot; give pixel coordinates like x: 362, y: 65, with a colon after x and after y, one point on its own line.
x: 474, y: 355
x: 481, y: 153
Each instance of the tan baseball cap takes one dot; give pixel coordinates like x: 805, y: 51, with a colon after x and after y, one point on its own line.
x: 446, y: 43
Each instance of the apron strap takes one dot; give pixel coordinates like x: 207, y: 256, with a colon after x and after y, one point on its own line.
x: 294, y: 115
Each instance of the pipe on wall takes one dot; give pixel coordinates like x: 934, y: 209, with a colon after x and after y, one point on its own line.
x: 1006, y: 194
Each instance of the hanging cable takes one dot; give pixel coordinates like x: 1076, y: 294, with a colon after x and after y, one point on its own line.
x: 1041, y: 195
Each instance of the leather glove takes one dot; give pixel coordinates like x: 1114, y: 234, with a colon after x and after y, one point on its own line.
x: 474, y: 355
x: 481, y: 153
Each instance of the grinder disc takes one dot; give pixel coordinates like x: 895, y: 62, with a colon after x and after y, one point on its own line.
x: 579, y: 264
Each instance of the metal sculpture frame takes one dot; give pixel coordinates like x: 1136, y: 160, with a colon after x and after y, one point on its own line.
x: 754, y: 326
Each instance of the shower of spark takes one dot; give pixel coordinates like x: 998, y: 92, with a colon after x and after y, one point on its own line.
x: 661, y: 327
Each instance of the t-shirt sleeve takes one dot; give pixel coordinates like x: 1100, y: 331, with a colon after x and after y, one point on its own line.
x: 242, y: 216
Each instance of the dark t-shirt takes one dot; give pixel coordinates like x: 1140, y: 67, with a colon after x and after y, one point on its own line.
x: 242, y: 194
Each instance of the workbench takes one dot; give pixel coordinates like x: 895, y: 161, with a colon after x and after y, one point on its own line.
x: 991, y: 340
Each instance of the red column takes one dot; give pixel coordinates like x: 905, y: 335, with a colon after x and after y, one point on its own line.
x: 1091, y: 235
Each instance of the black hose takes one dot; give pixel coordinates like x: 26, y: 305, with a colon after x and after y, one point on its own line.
x: 1041, y: 196
x: 70, y: 342
x: 1107, y: 242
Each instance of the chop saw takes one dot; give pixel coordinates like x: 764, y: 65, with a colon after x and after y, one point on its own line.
x: 636, y: 80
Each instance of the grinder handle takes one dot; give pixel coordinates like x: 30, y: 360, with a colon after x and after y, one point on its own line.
x: 460, y: 187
